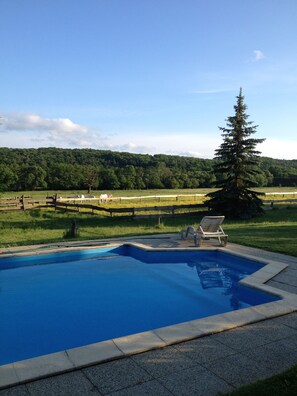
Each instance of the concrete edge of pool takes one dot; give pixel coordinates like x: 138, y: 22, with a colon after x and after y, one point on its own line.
x: 71, y: 359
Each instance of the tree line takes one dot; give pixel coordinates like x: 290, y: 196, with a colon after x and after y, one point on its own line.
x: 68, y: 169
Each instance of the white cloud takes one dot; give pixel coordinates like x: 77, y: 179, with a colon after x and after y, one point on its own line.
x: 184, y: 143
x: 280, y: 149
x: 34, y: 122
x: 35, y: 130
x: 201, y: 145
x: 32, y: 130
x: 258, y: 55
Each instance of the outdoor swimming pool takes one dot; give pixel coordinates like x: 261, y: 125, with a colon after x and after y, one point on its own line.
x: 54, y: 302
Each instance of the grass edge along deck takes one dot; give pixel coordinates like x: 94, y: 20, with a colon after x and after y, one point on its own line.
x: 75, y: 358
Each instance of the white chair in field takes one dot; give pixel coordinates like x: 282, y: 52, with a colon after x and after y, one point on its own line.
x: 209, y: 227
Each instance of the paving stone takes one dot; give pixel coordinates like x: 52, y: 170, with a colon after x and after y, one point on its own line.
x: 240, y: 339
x: 20, y: 390
x: 205, y: 349
x: 74, y: 383
x: 282, y: 286
x: 195, y: 381
x: 272, y: 329
x: 289, y: 320
x: 161, y: 362
x: 237, y: 369
x: 290, y: 342
x: 116, y: 375
x: 147, y: 388
x: 256, y: 334
x: 289, y: 277
x: 275, y: 357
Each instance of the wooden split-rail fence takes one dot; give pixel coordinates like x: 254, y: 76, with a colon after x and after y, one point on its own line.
x: 85, y: 205
x: 88, y: 204
x: 24, y: 203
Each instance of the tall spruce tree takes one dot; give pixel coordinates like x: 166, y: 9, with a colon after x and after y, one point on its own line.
x: 237, y: 164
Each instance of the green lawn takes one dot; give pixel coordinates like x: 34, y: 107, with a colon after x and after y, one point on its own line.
x: 276, y: 230
x: 44, y: 226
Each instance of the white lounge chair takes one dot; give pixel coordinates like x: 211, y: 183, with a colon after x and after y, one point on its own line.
x: 209, y: 227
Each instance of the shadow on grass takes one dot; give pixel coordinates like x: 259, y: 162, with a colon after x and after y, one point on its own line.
x: 276, y: 230
x: 284, y: 384
x: 39, y: 227
x: 56, y: 220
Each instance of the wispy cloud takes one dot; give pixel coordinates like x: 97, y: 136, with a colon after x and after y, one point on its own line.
x: 258, y: 55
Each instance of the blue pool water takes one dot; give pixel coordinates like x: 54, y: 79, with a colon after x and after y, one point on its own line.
x: 64, y: 300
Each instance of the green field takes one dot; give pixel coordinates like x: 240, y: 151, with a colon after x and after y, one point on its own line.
x: 133, y: 193
x: 276, y: 230
x: 115, y: 193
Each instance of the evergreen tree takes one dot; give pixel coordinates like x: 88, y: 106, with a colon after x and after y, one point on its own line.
x: 237, y: 163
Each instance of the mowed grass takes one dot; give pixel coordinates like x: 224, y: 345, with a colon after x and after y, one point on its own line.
x: 115, y: 193
x: 276, y: 230
x: 45, y: 226
x: 136, y: 193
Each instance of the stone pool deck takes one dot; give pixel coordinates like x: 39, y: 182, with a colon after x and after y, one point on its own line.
x: 206, y: 365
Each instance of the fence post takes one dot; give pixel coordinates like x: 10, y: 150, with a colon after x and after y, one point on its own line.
x: 55, y: 201
x: 22, y: 202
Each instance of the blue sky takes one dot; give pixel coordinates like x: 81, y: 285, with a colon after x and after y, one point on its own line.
x: 147, y: 76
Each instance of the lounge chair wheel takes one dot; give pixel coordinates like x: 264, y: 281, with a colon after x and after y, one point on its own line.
x: 224, y: 242
x: 197, y: 240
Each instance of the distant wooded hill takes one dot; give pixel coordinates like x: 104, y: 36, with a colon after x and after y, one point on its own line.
x: 68, y: 169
